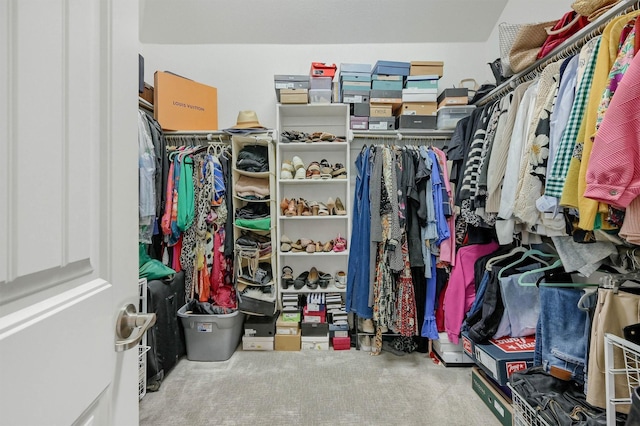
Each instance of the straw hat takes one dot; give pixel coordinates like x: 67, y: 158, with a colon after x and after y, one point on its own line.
x: 248, y: 120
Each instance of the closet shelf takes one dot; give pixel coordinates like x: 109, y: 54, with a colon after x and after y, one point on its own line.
x: 253, y: 229
x: 330, y: 289
x: 313, y: 181
x: 312, y: 146
x: 252, y: 200
x: 433, y: 134
x: 328, y: 217
x: 314, y: 254
x: 252, y: 174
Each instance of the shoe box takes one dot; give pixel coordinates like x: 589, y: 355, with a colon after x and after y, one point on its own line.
x: 416, y: 122
x: 391, y: 68
x: 450, y: 353
x: 359, y: 109
x: 359, y: 123
x: 419, y: 108
x: 500, y: 358
x: 382, y: 123
x: 493, y: 397
x: 314, y: 316
x: 426, y: 68
x: 260, y: 326
x: 393, y: 97
x: 314, y: 329
x: 338, y: 330
x: 257, y: 343
x: 288, y: 342
x: 453, y: 96
x: 294, y: 96
x: 341, y: 343
x: 286, y: 327
x: 287, y: 81
x: 253, y: 306
x: 419, y: 95
x: 355, y: 96
x: 315, y: 343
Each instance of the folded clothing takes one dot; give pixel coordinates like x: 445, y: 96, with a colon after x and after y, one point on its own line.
x: 253, y: 211
x: 263, y: 224
x: 253, y: 158
x: 258, y: 187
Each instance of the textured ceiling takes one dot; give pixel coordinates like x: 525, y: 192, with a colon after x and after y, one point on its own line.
x: 317, y: 21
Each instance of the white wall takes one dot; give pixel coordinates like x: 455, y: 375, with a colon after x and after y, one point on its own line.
x: 243, y: 74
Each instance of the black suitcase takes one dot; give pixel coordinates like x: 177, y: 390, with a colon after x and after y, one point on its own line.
x: 166, y: 337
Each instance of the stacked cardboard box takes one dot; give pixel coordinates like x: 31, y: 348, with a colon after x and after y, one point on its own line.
x: 259, y: 333
x: 354, y: 84
x: 419, y: 96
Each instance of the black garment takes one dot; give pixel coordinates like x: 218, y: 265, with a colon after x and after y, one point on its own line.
x: 253, y: 211
x: 556, y: 401
x: 253, y: 158
x: 634, y: 412
x: 414, y: 240
x: 225, y: 161
x: 420, y: 294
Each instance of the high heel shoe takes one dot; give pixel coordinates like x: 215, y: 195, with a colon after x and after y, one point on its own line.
x: 314, y: 206
x: 339, y: 209
x: 291, y: 208
x: 300, y: 207
x: 331, y: 206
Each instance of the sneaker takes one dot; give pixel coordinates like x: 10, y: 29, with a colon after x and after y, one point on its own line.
x: 365, y: 343
x: 367, y: 326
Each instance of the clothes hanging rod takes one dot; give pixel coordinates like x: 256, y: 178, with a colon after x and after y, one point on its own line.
x: 570, y: 47
x: 404, y: 134
x: 143, y: 103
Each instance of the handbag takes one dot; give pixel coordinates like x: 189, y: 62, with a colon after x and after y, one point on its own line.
x: 592, y: 8
x: 570, y: 23
x: 506, y: 36
x: 526, y: 46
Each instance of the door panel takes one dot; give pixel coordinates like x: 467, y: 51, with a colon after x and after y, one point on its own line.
x: 61, y: 332
x: 68, y: 210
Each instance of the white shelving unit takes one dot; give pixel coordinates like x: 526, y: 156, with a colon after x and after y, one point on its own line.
x: 237, y: 144
x: 334, y: 119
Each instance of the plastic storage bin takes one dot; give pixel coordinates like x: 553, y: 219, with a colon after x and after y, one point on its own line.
x: 449, y: 116
x: 211, y: 337
x: 319, y: 96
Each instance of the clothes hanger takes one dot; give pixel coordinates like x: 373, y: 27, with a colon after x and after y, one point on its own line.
x: 538, y: 282
x: 529, y: 254
x: 514, y: 251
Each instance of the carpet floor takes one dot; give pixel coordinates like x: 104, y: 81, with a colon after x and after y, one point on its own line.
x: 316, y: 388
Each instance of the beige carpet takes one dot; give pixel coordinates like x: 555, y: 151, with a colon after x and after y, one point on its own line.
x: 316, y: 388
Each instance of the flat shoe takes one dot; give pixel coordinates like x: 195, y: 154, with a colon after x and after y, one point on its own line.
x: 313, y: 278
x: 301, y: 280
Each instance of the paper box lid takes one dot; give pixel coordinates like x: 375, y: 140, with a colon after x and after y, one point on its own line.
x: 427, y: 63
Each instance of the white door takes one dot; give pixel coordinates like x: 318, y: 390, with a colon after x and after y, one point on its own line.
x: 68, y: 210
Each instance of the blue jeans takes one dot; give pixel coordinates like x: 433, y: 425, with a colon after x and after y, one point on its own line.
x: 358, y: 276
x: 562, y: 338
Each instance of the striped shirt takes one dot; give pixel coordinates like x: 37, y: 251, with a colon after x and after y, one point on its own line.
x: 556, y: 178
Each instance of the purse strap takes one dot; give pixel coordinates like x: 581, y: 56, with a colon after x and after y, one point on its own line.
x: 551, y: 31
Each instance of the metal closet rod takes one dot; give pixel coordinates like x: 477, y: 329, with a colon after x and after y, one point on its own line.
x: 401, y: 136
x: 570, y: 47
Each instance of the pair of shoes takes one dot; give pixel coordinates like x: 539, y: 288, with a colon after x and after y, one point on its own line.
x: 285, y: 243
x: 313, y: 171
x: 341, y: 280
x: 366, y: 325
x: 339, y: 244
x: 287, y: 170
x: 365, y: 343
x: 339, y: 171
x: 336, y: 207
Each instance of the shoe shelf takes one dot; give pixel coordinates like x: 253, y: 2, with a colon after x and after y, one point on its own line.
x: 256, y: 298
x: 333, y: 159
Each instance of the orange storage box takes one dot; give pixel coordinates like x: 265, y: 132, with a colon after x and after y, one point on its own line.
x: 183, y: 104
x: 320, y: 69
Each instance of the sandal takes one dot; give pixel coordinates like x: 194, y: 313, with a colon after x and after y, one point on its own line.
x: 315, y: 208
x: 301, y: 280
x: 286, y: 171
x: 313, y: 171
x: 311, y: 248
x: 339, y: 171
x: 340, y: 210
x: 322, y: 209
x: 313, y: 278
x: 325, y: 169
x: 328, y: 246
x: 339, y: 244
x: 297, y: 246
x: 305, y: 210
x: 297, y: 163
x: 285, y: 243
x: 284, y: 205
x: 287, y: 277
x: 301, y: 173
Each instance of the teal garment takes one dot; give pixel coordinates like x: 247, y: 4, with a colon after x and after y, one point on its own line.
x: 261, y: 224
x: 185, y: 195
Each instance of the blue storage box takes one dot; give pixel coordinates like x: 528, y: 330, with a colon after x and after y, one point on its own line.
x: 386, y: 85
x: 392, y: 68
x: 355, y: 76
x: 355, y: 68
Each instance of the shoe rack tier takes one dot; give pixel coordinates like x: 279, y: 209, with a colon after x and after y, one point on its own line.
x: 256, y: 297
x: 313, y: 193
